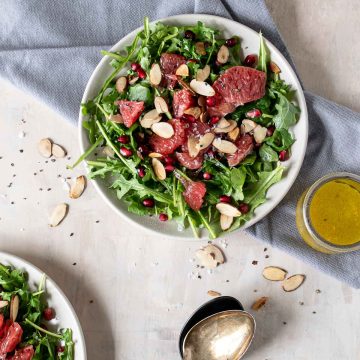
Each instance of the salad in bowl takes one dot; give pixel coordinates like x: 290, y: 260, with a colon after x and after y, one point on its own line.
x: 185, y: 130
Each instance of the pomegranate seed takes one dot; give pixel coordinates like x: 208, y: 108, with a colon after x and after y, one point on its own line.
x: 169, y: 168
x: 225, y: 199
x: 189, y: 35
x: 244, y: 208
x: 207, y: 176
x: 210, y: 153
x: 139, y: 137
x: 250, y: 60
x: 148, y: 203
x: 214, y: 120
x: 283, y: 155
x: 141, y: 171
x: 254, y: 113
x: 169, y: 160
x: 230, y: 42
x: 270, y: 130
x: 125, y: 152
x: 188, y: 117
x: 163, y: 217
x: 135, y: 66
x: 143, y: 149
x: 48, y: 314
x: 141, y: 73
x: 123, y: 139
x: 60, y: 349
x: 211, y: 101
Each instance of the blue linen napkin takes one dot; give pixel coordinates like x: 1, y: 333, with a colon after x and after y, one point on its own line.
x: 51, y: 48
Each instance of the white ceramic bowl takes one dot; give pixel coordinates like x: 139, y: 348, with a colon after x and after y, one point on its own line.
x: 250, y: 45
x: 65, y: 314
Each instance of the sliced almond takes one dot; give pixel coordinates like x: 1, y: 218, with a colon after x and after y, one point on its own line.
x: 225, y: 221
x: 232, y: 124
x: 58, y: 151
x: 228, y: 210
x: 249, y: 125
x: 77, y: 187
x: 45, y: 147
x: 120, y: 84
x: 155, y: 74
x: 205, y: 141
x: 192, y: 146
x: 274, y: 273
x: 182, y: 70
x: 225, y: 146
x: 200, y: 48
x: 159, y: 169
x: 193, y: 111
x: 58, y: 214
x: 202, y: 88
x: 203, y: 117
x: 133, y: 80
x: 3, y: 303
x: 274, y: 68
x: 202, y: 101
x: 116, y: 119
x: 14, y: 307
x: 223, y: 55
x: 108, y: 151
x: 213, y: 293
x: 260, y: 134
x: 223, y: 123
x: 185, y: 85
x: 259, y: 303
x: 163, y: 129
x: 155, y: 155
x: 234, y: 134
x: 150, y: 118
x: 210, y: 256
x: 203, y: 74
x: 293, y: 282
x: 161, y: 105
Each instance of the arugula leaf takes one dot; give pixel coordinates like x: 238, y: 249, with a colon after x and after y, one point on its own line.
x: 139, y: 92
x: 263, y: 55
x: 237, y: 178
x: 280, y: 140
x: 287, y: 113
x: 267, y: 154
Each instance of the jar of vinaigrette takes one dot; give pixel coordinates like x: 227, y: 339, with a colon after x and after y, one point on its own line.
x: 328, y: 213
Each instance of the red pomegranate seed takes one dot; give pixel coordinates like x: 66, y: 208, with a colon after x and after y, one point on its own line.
x: 141, y: 73
x: 169, y: 160
x: 135, y: 66
x: 283, y: 155
x: 141, y: 171
x: 163, y: 217
x: 169, y: 168
x: 48, y: 314
x: 244, y: 208
x: 148, y: 202
x: 60, y: 349
x: 214, y: 120
x: 211, y: 101
x: 225, y: 199
x: 189, y: 35
x: 254, y: 113
x: 230, y: 42
x: 270, y: 130
x: 210, y: 153
x: 188, y: 117
x: 207, y: 176
x: 125, y: 152
x: 143, y: 149
x: 123, y: 139
x: 250, y: 60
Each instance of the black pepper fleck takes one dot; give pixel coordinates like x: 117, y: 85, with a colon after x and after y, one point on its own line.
x: 10, y: 185
x: 284, y: 322
x: 40, y: 189
x: 199, y: 277
x: 12, y: 203
x: 97, y: 221
x: 41, y: 170
x: 53, y: 160
x: 267, y: 256
x: 91, y: 301
x: 74, y: 263
x: 254, y: 262
x: 72, y: 234
x: 318, y: 291
x: 12, y: 164
x: 227, y: 280
x: 35, y: 174
x: 48, y: 189
x: 301, y: 303
x: 265, y: 249
x: 21, y: 150
x: 314, y: 312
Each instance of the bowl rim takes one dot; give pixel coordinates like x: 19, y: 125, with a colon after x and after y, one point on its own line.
x: 300, y: 97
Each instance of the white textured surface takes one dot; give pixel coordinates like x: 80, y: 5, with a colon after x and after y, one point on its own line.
x: 140, y: 283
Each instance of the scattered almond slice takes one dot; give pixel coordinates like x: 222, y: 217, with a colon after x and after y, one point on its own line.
x: 58, y: 214
x: 163, y: 129
x: 224, y: 146
x: 228, y: 210
x: 45, y: 147
x: 14, y: 307
x: 182, y: 70
x: 274, y: 273
x: 202, y: 88
x: 274, y: 68
x: 234, y: 134
x: 117, y: 118
x: 193, y: 111
x: 223, y: 123
x: 225, y: 221
x: 203, y: 74
x: 260, y: 134
x: 232, y: 124
x: 203, y: 117
x: 77, y: 187
x: 120, y: 84
x: 223, y: 55
x: 249, y: 125
x: 259, y: 303
x: 159, y: 169
x: 58, y: 151
x: 155, y: 74
x: 133, y: 79
x: 293, y: 282
x: 160, y: 105
x: 213, y: 293
x: 3, y: 303
x: 210, y: 256
x: 155, y: 155
x: 200, y: 48
x: 192, y: 146
x: 150, y: 118
x: 205, y: 141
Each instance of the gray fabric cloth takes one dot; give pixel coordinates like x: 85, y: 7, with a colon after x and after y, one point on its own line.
x: 51, y: 48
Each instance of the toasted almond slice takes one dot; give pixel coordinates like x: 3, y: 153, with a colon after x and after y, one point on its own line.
x: 116, y: 119
x: 293, y: 282
x: 228, y: 210
x: 3, y: 303
x: 202, y: 88
x: 160, y: 105
x: 150, y: 118
x: 234, y: 134
x: 58, y: 151
x: 260, y: 134
x: 120, y: 84
x: 58, y: 214
x: 133, y: 80
x: 223, y: 123
x: 249, y: 125
x: 14, y: 307
x: 163, y: 129
x: 215, y: 253
x: 194, y: 111
x: 200, y: 48
x: 232, y: 125
x: 205, y: 141
x: 210, y: 256
x: 185, y: 85
x: 225, y: 146
x: 154, y: 155
x: 192, y: 146
x: 155, y: 74
x: 274, y: 273
x: 223, y: 55
x: 159, y: 169
x: 108, y: 151
x: 182, y: 70
x: 203, y: 117
x: 213, y: 293
x: 274, y: 68
x: 259, y: 303
x: 202, y: 101
x: 225, y: 221
x: 77, y: 187
x: 203, y: 74
x: 45, y: 147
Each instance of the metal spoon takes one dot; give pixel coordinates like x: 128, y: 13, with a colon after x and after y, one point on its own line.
x: 222, y: 336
